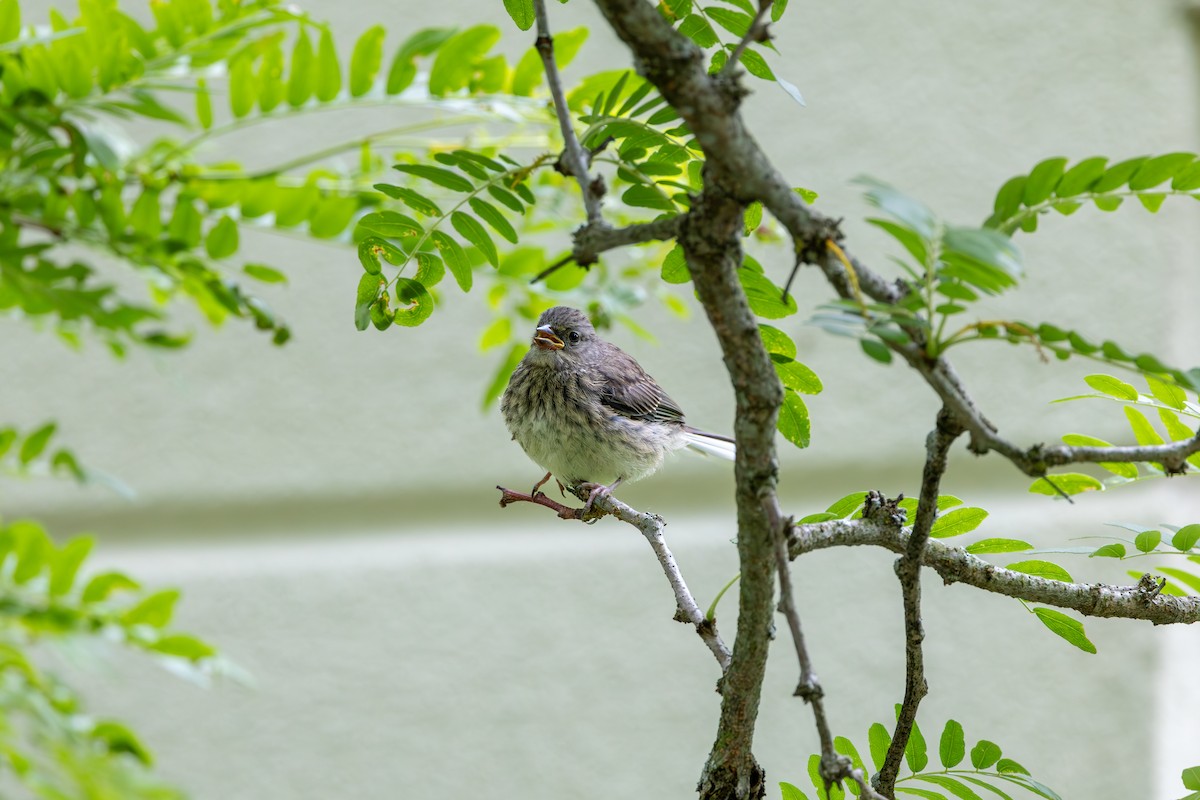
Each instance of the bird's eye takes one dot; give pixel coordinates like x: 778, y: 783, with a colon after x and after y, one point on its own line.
x: 573, y: 336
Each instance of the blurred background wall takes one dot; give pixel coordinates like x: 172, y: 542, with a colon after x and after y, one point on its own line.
x: 329, y: 507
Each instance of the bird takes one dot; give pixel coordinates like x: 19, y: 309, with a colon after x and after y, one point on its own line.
x: 585, y: 411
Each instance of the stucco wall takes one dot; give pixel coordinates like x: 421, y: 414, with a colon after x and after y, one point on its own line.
x: 450, y: 648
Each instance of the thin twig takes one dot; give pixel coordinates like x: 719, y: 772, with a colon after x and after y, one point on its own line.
x: 908, y: 570
x: 651, y: 526
x: 573, y: 152
x: 757, y: 32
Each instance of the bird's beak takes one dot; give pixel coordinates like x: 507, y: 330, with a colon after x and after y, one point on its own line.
x: 545, y: 338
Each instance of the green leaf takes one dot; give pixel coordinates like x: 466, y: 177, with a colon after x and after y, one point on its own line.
x: 814, y: 775
x: 1113, y: 387
x: 793, y: 420
x: 876, y: 350
x: 1191, y: 778
x: 910, y: 212
x: 10, y: 20
x: 1041, y: 569
x: 878, y: 740
x: 65, y: 564
x: 952, y: 747
x: 183, y: 646
x: 416, y: 304
x: 1186, y: 537
x: 843, y: 508
x: 642, y: 196
x: 366, y: 60
x: 915, y: 752
x: 1042, y: 180
x: 36, y: 442
x: 496, y: 334
x: 955, y: 787
x: 455, y: 62
x: 389, y: 225
x: 369, y: 288
x: 438, y: 175
x: 776, y: 341
x: 990, y: 787
x: 1146, y: 541
x: 1067, y: 627
x: 503, y: 373
x: 1079, y: 178
x: 1069, y: 482
x: 243, y: 89
x: 328, y: 71
x: 474, y: 233
x: 957, y: 522
x: 521, y: 12
x: 696, y: 28
x: 101, y: 586
x: 455, y: 258
x: 430, y: 270
x: 1118, y: 175
x: 765, y: 298
x: 1143, y: 431
x: 1114, y: 550
x: 261, y: 272
x: 790, y: 792
x: 117, y: 739
x: 1167, y: 393
x: 301, y: 80
x: 492, y: 216
x: 756, y: 65
x: 1159, y: 170
x: 1186, y: 578
x: 736, y: 22
x: 984, y: 754
x: 674, y: 267
x: 796, y: 376
x: 203, y: 105
x: 222, y: 240
x: 846, y: 747
x: 997, y: 545
x: 414, y: 200
x: 155, y: 610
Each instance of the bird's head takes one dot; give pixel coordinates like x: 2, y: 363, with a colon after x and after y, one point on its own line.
x: 563, y: 332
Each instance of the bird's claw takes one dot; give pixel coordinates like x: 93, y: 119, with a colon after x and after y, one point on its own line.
x: 594, y: 490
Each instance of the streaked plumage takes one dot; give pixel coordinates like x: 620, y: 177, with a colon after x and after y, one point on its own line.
x: 587, y: 412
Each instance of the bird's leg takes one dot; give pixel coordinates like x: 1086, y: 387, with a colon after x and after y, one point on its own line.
x: 562, y: 490
x: 597, y: 490
x: 538, y: 485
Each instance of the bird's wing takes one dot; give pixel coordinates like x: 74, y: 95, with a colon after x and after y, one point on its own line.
x: 627, y: 389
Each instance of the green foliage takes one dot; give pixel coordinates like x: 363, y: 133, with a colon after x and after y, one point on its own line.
x: 54, y: 747
x: 1172, y: 402
x: 990, y: 772
x: 718, y: 29
x: 1051, y: 185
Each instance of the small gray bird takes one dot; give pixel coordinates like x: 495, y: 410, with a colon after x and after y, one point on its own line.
x: 587, y: 412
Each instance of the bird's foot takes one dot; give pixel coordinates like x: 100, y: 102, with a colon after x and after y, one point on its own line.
x: 534, y: 491
x: 596, y: 490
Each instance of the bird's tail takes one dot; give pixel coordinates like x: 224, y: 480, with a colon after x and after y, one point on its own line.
x: 709, y: 444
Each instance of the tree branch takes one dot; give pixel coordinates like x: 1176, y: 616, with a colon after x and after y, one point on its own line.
x: 650, y: 526
x: 757, y: 32
x: 576, y: 162
x: 834, y: 768
x: 908, y: 570
x: 957, y: 566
